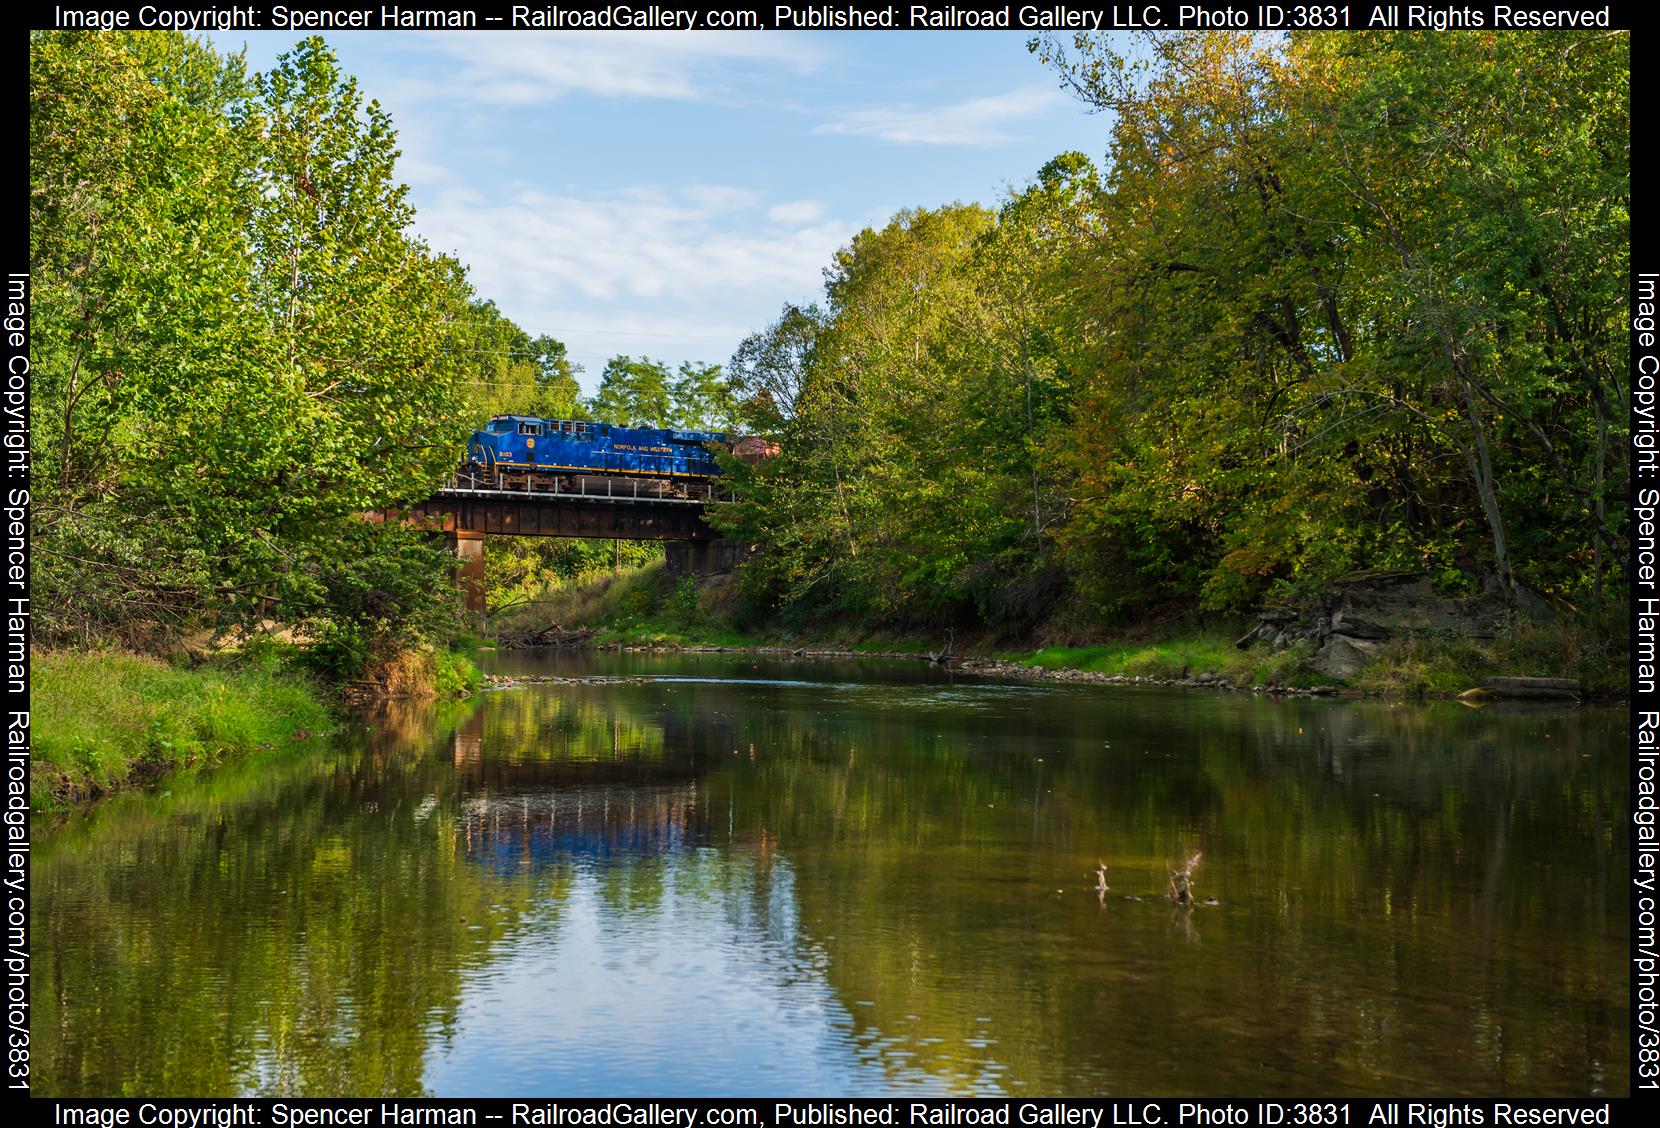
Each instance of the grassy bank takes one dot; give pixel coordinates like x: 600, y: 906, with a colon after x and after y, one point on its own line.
x: 641, y: 606
x: 646, y: 607
x: 1592, y: 652
x: 1410, y: 667
x: 1181, y: 655
x: 102, y: 720
x: 105, y: 719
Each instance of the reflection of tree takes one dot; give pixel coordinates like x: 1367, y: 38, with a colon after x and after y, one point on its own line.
x: 1423, y: 846
x: 288, y: 927
x: 523, y: 739
x: 1366, y: 858
x: 1418, y: 896
x: 1366, y: 866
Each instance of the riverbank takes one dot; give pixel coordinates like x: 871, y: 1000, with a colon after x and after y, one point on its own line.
x: 644, y: 609
x: 104, y: 720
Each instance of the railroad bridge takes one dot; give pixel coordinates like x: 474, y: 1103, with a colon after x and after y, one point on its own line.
x: 466, y: 510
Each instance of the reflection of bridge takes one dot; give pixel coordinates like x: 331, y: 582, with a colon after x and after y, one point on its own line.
x: 531, y: 811
x: 467, y: 510
x: 541, y: 828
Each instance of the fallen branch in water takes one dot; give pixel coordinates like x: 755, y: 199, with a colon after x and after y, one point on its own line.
x: 1181, y: 881
x: 546, y: 636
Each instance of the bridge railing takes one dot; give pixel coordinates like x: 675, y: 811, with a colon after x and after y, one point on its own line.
x: 594, y: 487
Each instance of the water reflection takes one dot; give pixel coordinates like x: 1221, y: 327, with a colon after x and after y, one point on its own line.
x: 719, y: 874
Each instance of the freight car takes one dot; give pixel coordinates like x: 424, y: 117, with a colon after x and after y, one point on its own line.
x: 521, y: 452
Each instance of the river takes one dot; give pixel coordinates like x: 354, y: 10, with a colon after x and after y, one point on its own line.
x: 722, y: 874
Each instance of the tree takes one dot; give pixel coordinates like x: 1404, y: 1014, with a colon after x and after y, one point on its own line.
x: 633, y: 393
x: 769, y: 368
x: 358, y: 307
x: 558, y: 393
x: 703, y: 399
x: 887, y: 500
x: 241, y: 348
x: 1325, y: 288
x: 139, y: 263
x: 508, y: 373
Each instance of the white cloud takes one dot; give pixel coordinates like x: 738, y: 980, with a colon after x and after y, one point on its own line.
x: 978, y: 121
x: 796, y: 212
x: 524, y: 70
x: 642, y: 242
x: 685, y: 272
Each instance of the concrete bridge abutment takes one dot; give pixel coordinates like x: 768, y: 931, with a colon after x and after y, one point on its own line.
x: 703, y: 557
x: 468, y: 548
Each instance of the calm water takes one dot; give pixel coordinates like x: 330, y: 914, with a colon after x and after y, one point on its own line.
x: 712, y: 874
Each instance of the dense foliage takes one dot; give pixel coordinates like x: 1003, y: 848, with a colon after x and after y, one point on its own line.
x: 1329, y: 303
x: 1335, y: 302
x: 239, y: 349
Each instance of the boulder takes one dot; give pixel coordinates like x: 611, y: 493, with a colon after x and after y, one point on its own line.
x: 1358, y: 612
x: 1344, y: 656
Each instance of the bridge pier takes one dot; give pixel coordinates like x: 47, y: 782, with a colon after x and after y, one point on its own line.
x: 464, y: 516
x: 468, y: 547
x: 702, y: 557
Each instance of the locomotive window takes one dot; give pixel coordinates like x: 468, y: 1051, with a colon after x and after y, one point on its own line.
x: 530, y: 428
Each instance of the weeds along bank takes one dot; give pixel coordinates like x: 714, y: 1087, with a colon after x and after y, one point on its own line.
x: 649, y: 608
x: 103, y: 720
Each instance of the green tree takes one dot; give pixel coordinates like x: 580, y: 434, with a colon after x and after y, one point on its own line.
x: 702, y: 399
x: 558, y: 392
x: 140, y: 318
x: 506, y: 372
x: 634, y: 393
x: 240, y: 347
x: 875, y: 502
x: 359, y: 308
x: 1330, y: 342
x: 769, y: 368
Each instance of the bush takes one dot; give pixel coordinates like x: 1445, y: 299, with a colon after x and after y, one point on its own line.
x: 454, y: 674
x: 682, y: 608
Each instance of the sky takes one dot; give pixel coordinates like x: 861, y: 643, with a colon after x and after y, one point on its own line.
x: 664, y: 194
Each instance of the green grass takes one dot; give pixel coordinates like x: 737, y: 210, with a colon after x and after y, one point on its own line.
x: 642, y: 606
x: 1182, y: 656
x: 1425, y: 667
x: 646, y: 607
x: 453, y: 673
x: 102, y: 720
x: 1590, y: 652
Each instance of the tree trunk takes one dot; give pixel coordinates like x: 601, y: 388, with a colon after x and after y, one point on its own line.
x: 1481, y: 473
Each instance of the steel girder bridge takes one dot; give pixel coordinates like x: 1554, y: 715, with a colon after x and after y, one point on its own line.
x: 466, y: 511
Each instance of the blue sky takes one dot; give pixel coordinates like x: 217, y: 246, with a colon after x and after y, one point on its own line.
x: 664, y: 193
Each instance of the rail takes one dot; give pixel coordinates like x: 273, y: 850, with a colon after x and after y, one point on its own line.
x: 588, y: 489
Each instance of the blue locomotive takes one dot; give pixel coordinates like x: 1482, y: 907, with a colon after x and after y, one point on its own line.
x: 576, y: 456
